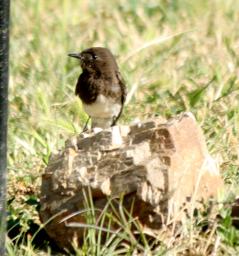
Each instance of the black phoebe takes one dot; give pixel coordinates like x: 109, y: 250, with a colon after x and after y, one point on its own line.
x: 100, y: 86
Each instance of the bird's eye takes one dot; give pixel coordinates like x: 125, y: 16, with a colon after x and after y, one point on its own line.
x: 95, y: 57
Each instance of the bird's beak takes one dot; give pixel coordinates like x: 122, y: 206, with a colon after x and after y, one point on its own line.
x: 75, y: 55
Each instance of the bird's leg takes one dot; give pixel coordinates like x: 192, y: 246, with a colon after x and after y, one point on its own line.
x: 86, y: 125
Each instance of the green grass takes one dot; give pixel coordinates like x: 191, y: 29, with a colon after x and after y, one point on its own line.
x: 174, y: 55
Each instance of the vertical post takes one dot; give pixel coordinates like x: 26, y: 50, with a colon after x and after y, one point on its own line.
x: 4, y: 48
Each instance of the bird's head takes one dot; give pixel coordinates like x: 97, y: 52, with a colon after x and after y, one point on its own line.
x: 96, y: 59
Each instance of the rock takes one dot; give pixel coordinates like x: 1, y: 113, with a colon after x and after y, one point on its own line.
x: 159, y: 166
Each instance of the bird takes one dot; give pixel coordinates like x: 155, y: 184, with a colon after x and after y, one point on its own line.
x: 100, y: 87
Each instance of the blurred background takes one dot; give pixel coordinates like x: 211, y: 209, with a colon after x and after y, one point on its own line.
x: 175, y: 55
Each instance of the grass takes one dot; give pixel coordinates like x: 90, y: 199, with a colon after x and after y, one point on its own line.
x: 174, y: 55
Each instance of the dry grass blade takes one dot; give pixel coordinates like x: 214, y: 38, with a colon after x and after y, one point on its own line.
x: 152, y: 43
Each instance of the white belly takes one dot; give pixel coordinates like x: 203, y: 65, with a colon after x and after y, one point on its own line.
x: 102, y: 108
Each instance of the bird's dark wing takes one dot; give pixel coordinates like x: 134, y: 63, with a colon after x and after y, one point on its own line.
x: 123, y: 95
x: 122, y: 87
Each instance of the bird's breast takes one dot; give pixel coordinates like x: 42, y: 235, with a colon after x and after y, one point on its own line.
x: 103, y: 106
